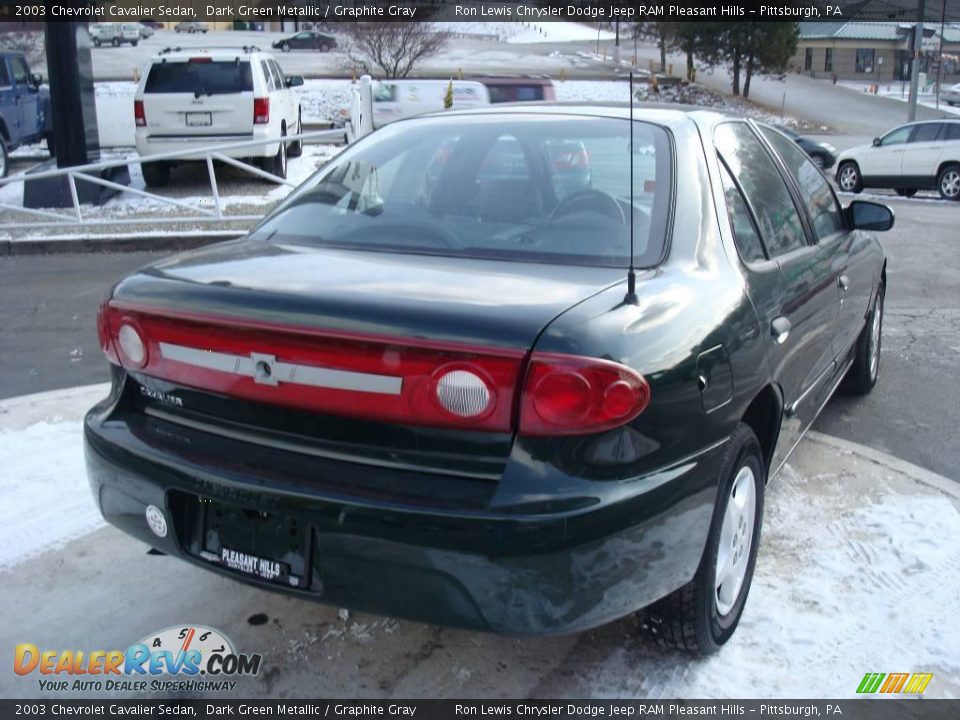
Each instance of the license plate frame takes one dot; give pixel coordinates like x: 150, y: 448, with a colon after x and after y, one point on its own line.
x: 264, y: 545
x: 198, y: 119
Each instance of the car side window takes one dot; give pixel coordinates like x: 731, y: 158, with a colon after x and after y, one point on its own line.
x: 745, y: 232
x: 764, y: 187
x: 952, y: 131
x: 898, y: 136
x: 814, y: 189
x: 268, y: 76
x: 21, y: 73
x: 927, y: 132
x: 4, y: 74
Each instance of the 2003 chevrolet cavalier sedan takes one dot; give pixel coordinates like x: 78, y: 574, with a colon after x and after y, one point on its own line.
x: 429, y: 384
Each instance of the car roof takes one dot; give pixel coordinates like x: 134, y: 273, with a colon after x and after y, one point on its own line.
x: 222, y: 53
x: 658, y: 113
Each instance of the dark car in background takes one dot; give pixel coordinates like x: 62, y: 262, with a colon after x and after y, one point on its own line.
x: 823, y: 154
x: 306, y: 40
x: 433, y: 383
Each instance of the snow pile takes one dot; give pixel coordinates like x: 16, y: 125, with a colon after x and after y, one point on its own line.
x: 45, y: 500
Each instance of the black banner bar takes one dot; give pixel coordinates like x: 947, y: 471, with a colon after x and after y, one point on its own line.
x: 856, y: 709
x: 604, y: 11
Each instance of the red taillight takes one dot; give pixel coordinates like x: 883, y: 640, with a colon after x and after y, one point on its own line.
x: 200, y: 60
x: 571, y: 395
x: 261, y: 111
x: 104, y: 334
x: 139, y: 115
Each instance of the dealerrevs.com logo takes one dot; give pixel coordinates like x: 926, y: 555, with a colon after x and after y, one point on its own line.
x: 198, y: 658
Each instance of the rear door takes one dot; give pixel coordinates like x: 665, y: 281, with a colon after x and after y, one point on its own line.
x: 8, y: 103
x: 922, y: 153
x: 285, y: 97
x: 199, y: 97
x: 801, y: 309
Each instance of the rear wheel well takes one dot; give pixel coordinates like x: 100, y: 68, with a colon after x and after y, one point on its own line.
x: 945, y: 164
x: 763, y: 416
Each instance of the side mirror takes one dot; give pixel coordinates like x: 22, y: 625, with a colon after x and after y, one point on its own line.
x: 865, y: 215
x: 294, y: 80
x: 876, y: 142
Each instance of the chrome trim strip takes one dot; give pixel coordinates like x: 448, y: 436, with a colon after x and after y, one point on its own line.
x: 803, y: 434
x: 267, y: 370
x: 792, y: 409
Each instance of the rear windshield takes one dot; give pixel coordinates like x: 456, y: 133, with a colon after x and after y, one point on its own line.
x: 511, y: 187
x: 204, y: 78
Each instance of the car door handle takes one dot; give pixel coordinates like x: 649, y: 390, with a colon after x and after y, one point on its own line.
x: 780, y: 329
x: 844, y: 282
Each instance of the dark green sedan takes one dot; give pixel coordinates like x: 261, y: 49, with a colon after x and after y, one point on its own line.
x: 436, y: 383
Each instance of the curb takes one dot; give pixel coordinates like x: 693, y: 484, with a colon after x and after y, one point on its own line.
x: 895, y: 464
x: 113, y: 243
x: 18, y: 412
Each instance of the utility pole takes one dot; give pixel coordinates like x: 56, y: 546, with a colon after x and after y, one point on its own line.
x: 616, y: 45
x: 915, y: 62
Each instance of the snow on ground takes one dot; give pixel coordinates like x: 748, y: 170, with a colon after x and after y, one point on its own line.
x: 525, y: 32
x: 44, y: 497
x: 900, y: 91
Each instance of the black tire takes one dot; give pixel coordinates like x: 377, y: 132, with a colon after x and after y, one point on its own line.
x: 176, y: 30
x: 948, y: 182
x: 4, y: 158
x: 285, y: 47
x: 849, y: 178
x: 277, y: 165
x: 156, y: 174
x: 134, y: 42
x: 96, y: 42
x: 116, y: 42
x: 689, y: 618
x: 324, y: 48
x: 295, y: 149
x: 819, y: 160
x: 905, y: 192
x: 863, y: 374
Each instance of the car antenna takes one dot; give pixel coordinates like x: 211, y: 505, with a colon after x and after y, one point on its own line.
x: 631, y: 296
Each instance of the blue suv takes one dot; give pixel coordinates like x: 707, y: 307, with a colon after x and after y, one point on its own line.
x: 24, y: 106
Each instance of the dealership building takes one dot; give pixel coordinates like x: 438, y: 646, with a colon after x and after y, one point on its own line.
x: 876, y: 51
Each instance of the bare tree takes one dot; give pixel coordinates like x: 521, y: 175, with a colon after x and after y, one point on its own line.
x: 393, y: 47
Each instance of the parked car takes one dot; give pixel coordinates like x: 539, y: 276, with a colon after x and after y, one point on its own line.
x: 398, y: 99
x: 916, y: 156
x: 24, y: 107
x: 824, y: 155
x: 306, y: 40
x: 426, y: 394
x: 194, y: 98
x: 951, y: 95
x: 145, y: 31
x: 115, y: 34
x: 152, y: 24
x: 191, y: 26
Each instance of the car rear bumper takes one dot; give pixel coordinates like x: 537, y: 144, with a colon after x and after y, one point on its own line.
x: 502, y: 570
x: 151, y: 143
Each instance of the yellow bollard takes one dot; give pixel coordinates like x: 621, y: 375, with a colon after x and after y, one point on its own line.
x: 563, y: 74
x: 670, y: 69
x: 459, y: 73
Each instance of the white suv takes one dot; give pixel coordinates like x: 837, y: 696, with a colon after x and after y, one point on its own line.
x: 917, y: 156
x: 192, y: 99
x: 115, y: 34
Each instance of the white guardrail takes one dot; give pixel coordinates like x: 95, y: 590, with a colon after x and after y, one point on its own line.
x: 360, y: 124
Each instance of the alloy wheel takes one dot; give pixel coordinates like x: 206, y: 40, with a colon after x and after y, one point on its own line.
x: 736, y: 539
x: 849, y: 178
x: 950, y: 184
